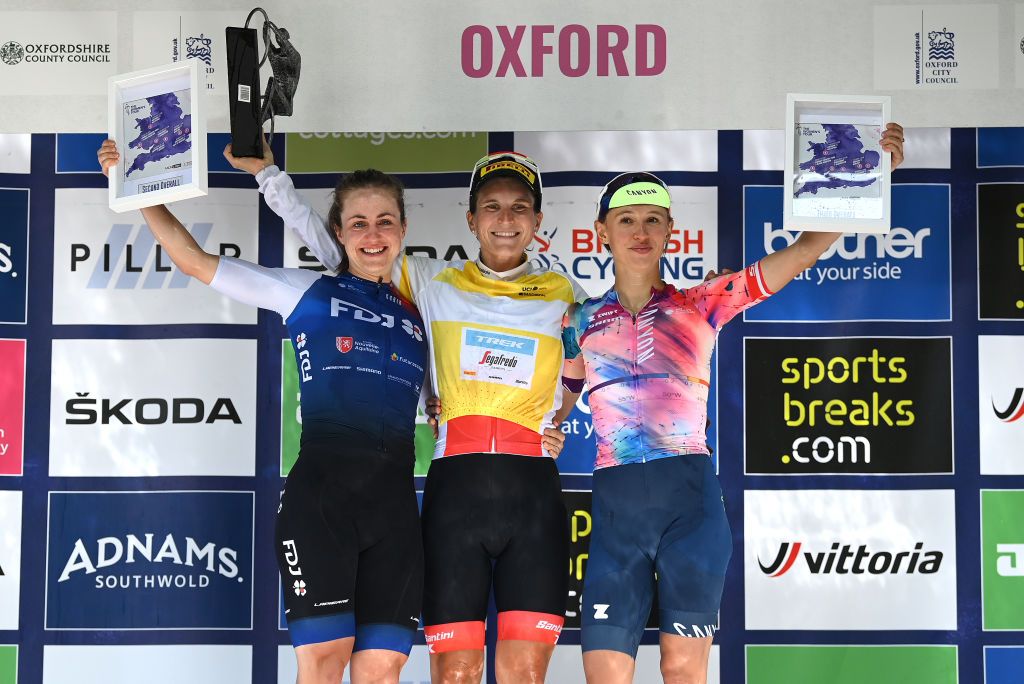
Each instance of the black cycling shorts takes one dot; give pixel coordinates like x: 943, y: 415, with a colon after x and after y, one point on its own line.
x: 349, y: 549
x: 500, y: 518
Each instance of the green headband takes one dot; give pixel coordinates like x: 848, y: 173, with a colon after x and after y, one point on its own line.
x: 640, y: 193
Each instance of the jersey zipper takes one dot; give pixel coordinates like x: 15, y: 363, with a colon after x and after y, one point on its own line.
x: 384, y: 368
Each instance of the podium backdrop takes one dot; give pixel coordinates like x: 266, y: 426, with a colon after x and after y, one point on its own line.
x: 867, y: 420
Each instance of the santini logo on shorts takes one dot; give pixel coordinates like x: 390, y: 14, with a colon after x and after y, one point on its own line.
x: 845, y: 559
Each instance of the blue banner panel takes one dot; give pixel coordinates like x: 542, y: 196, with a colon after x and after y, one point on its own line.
x: 1000, y: 147
x: 76, y: 152
x: 901, y: 276
x: 13, y: 255
x: 1004, y: 665
x: 149, y: 560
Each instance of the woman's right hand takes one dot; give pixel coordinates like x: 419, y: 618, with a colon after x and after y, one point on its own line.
x: 107, y: 156
x: 251, y: 165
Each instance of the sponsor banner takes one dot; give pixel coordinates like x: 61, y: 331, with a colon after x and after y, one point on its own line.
x: 163, y: 37
x: 936, y: 47
x: 149, y: 560
x: 621, y: 151
x: 164, y: 664
x: 851, y: 664
x: 1001, y: 251
x: 57, y: 53
x: 13, y: 255
x: 903, y: 275
x: 415, y: 671
x: 12, y: 406
x: 109, y: 269
x: 843, y: 560
x: 291, y: 419
x: 410, y: 152
x: 848, y: 406
x: 1002, y: 559
x: 437, y: 226
x: 567, y: 666
x: 10, y: 562
x: 567, y: 242
x: 1003, y: 664
x: 1001, y: 146
x: 15, y: 153
x: 1000, y: 404
x: 925, y: 148
x: 581, y: 524
x: 134, y: 408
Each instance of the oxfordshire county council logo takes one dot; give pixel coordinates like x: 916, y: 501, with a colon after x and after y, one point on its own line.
x: 199, y: 47
x: 12, y: 53
x: 940, y: 44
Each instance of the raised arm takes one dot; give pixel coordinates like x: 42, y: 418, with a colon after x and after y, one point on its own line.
x: 176, y: 241
x: 782, y: 266
x: 282, y: 198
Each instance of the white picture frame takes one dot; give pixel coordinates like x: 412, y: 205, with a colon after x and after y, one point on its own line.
x: 144, y: 177
x: 837, y: 177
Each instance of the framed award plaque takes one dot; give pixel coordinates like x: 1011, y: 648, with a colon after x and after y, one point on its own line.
x: 837, y: 176
x: 156, y: 119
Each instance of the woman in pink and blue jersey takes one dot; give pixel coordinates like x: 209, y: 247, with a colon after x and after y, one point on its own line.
x: 645, y: 348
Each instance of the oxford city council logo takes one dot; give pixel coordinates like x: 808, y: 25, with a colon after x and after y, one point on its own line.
x: 12, y: 53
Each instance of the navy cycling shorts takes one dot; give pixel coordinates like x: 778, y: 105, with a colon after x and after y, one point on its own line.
x: 667, y: 517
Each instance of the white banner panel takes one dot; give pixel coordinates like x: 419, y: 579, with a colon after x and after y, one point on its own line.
x: 1018, y: 54
x: 621, y: 151
x: 416, y: 670
x: 566, y: 665
x: 130, y: 408
x: 163, y: 37
x: 15, y: 153
x: 57, y: 53
x: 192, y: 663
x: 567, y: 241
x: 828, y: 559
x: 936, y: 47
x: 924, y: 148
x: 543, y: 66
x: 109, y: 270
x: 10, y: 558
x: 436, y: 218
x: 1001, y: 404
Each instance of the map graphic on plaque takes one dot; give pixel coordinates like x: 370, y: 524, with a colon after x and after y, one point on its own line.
x: 162, y: 137
x: 838, y: 160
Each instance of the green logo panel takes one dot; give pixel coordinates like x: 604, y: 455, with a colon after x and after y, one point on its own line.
x: 851, y: 664
x: 8, y: 665
x: 1002, y: 559
x: 291, y: 420
x: 422, y: 151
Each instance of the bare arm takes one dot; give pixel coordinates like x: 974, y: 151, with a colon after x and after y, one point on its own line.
x: 782, y: 266
x: 574, y: 370
x: 177, y: 242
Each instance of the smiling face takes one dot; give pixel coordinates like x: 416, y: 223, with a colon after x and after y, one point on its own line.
x: 636, y: 235
x: 504, y: 222
x: 371, y: 232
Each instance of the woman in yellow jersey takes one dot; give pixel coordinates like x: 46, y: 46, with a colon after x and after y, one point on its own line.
x: 492, y: 509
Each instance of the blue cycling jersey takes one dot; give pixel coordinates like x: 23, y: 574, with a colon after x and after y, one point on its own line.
x: 359, y: 349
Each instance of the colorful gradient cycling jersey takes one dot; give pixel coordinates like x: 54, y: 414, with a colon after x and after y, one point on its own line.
x: 649, y: 374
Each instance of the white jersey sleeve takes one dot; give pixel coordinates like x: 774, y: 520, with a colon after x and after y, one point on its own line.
x: 298, y: 215
x: 277, y: 289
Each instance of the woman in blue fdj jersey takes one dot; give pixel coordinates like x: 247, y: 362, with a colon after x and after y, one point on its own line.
x: 348, y: 539
x: 658, y: 508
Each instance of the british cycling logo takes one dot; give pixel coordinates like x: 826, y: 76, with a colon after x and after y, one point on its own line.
x: 1014, y: 410
x: 844, y: 559
x: 12, y: 53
